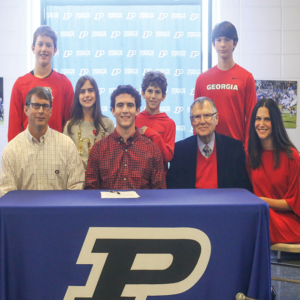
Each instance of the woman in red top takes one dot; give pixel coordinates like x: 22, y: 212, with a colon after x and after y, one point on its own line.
x: 273, y: 165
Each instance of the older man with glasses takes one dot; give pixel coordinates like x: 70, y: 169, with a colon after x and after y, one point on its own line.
x: 40, y: 158
x: 207, y: 160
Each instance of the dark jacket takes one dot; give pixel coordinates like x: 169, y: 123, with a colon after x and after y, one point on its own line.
x: 231, y: 166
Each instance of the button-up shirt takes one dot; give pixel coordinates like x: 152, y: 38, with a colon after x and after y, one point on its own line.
x: 201, y: 145
x: 114, y: 164
x: 51, y: 164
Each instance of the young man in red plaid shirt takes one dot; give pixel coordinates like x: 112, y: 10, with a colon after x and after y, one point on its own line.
x: 125, y: 159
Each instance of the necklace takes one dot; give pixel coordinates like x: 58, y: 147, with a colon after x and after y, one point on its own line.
x: 81, y: 140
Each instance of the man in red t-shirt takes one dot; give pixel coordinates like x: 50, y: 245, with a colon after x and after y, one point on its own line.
x: 44, y: 47
x: 230, y: 86
x: 208, y: 159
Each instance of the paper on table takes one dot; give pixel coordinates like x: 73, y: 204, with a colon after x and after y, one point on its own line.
x: 129, y: 194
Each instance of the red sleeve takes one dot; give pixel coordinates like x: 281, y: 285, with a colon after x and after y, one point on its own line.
x: 167, y: 145
x: 292, y: 195
x: 157, y: 177
x: 15, y: 121
x: 251, y: 100
x: 68, y: 103
x: 92, y: 174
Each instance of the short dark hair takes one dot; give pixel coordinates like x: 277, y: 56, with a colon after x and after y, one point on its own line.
x: 281, y: 141
x: 40, y: 92
x: 155, y: 79
x: 125, y: 89
x: 45, y: 30
x: 226, y: 29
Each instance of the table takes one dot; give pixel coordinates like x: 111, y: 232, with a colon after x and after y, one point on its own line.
x: 145, y: 248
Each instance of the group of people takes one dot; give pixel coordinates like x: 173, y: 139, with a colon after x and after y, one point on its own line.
x: 237, y: 142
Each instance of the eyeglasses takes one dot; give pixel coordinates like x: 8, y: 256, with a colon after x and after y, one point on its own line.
x: 206, y: 117
x: 45, y: 107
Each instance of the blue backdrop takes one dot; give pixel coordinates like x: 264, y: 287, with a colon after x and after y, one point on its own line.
x: 118, y: 44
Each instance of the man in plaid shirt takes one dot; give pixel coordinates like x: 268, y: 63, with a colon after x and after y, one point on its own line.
x: 125, y: 159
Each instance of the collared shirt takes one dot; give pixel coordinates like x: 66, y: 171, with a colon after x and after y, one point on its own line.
x: 136, y: 164
x: 51, y: 164
x: 201, y: 145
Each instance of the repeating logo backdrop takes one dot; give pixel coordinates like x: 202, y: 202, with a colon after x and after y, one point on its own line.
x: 118, y: 44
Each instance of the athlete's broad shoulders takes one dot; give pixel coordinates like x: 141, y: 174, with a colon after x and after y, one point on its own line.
x: 29, y: 77
x: 216, y: 71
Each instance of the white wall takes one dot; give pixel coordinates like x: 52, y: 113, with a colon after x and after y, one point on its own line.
x: 13, y: 52
x: 269, y: 40
x: 18, y: 21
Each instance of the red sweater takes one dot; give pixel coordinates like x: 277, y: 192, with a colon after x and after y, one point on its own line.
x: 234, y: 93
x: 62, y: 99
x: 161, y: 130
x: 207, y: 173
x: 280, y: 183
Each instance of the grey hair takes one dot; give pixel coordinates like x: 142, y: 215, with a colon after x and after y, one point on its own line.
x: 201, y: 101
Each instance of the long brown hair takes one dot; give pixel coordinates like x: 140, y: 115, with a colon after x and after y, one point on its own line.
x: 77, y: 113
x: 281, y: 141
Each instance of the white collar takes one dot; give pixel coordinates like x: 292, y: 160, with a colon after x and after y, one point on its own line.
x: 201, y: 145
x: 32, y: 139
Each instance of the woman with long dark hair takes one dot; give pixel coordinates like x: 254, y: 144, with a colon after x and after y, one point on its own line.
x: 273, y: 164
x: 87, y: 124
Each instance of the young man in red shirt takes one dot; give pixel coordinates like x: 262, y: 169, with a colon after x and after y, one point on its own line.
x: 44, y: 47
x: 207, y: 160
x: 151, y: 122
x: 125, y: 159
x: 232, y: 87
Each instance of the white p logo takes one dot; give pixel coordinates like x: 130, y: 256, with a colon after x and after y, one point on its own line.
x: 178, y: 109
x: 178, y: 34
x: 130, y: 16
x: 67, y: 16
x: 194, y: 54
x: 115, y: 72
x: 131, y: 53
x: 68, y: 53
x: 178, y: 72
x: 99, y: 16
x: 162, y: 16
x: 83, y: 72
x: 194, y: 17
x: 146, y: 34
x: 163, y: 53
x: 158, y: 261
x: 115, y: 34
x: 99, y: 53
x: 83, y: 34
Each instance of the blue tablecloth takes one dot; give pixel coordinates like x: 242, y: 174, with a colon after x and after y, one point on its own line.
x: 42, y: 234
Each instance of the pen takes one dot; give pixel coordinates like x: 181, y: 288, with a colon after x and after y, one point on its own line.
x: 115, y: 192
